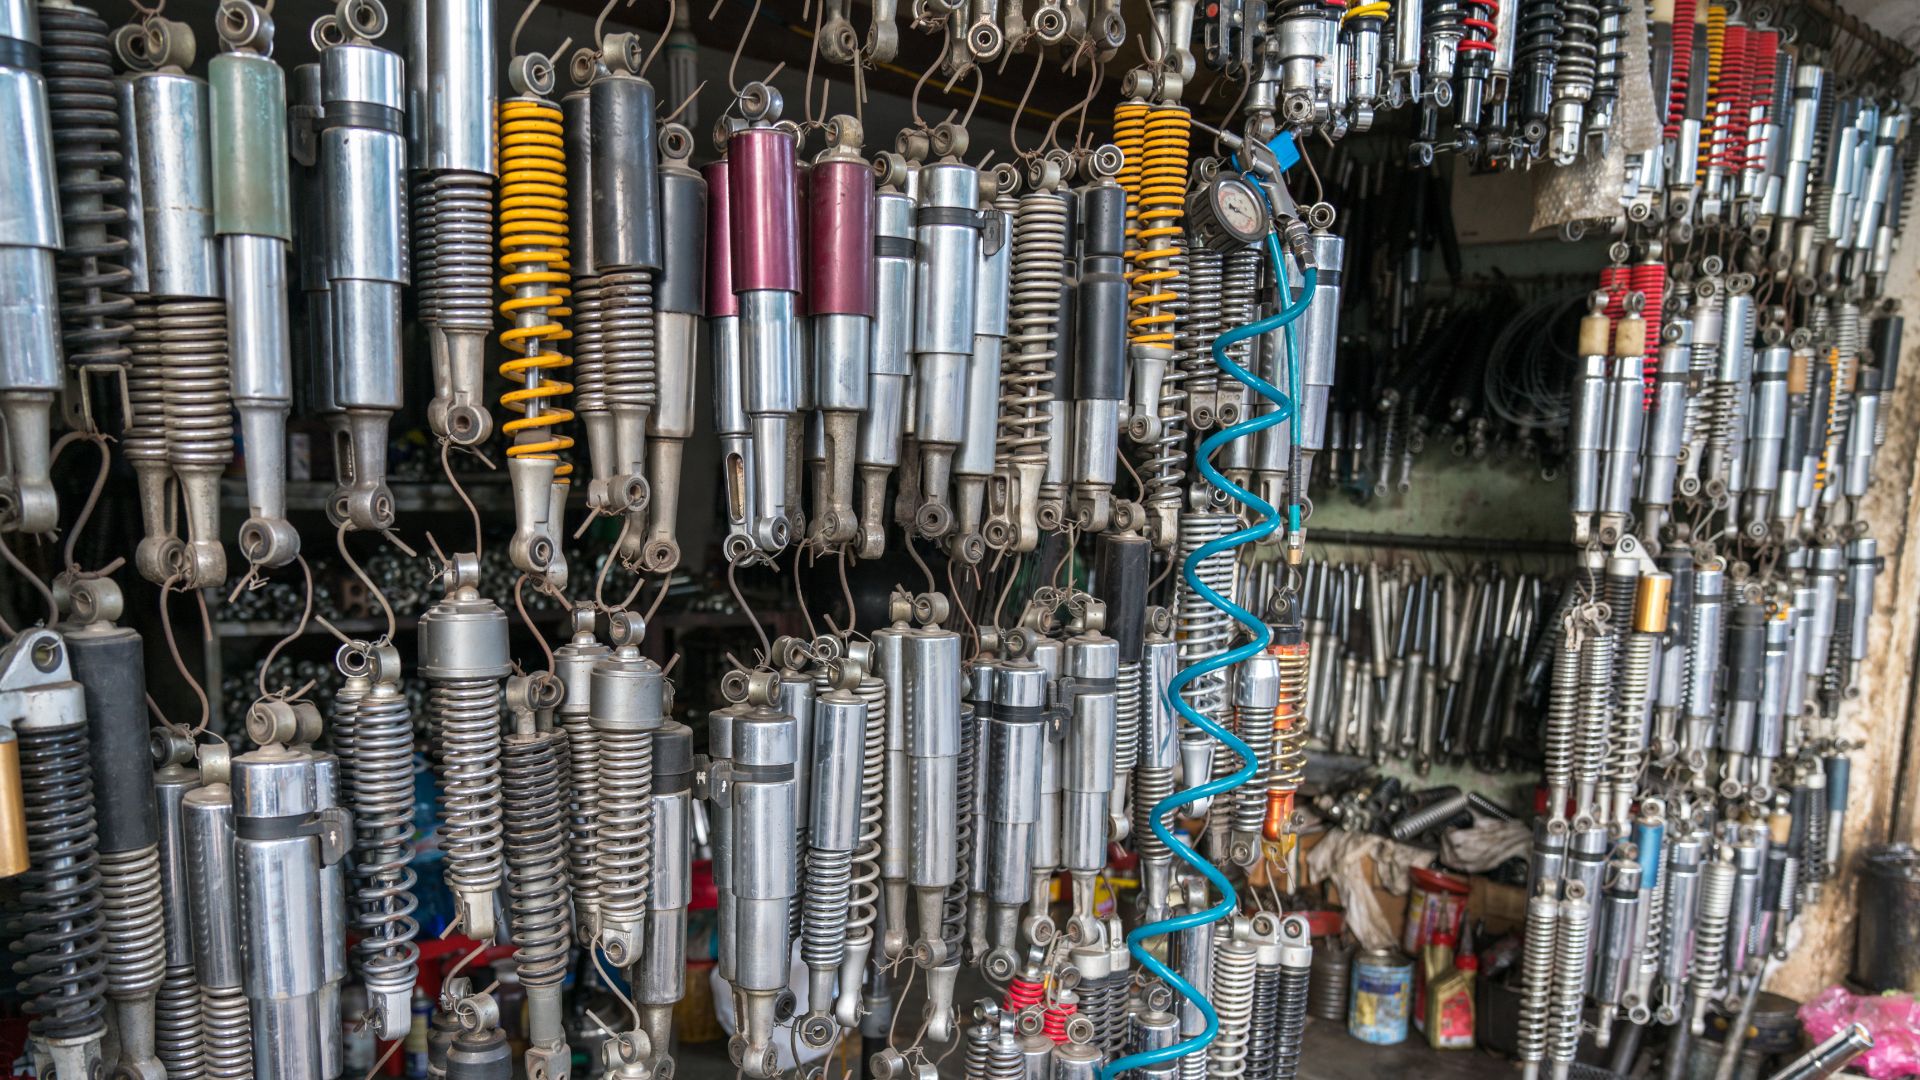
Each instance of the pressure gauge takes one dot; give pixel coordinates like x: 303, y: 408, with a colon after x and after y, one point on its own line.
x: 1227, y: 213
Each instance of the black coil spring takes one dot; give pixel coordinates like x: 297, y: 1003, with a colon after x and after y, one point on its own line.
x: 1292, y: 1026
x: 1535, y: 45
x: 382, y: 804
x: 1263, y: 1038
x: 56, y: 931
x: 953, y: 913
x: 85, y: 114
x: 1579, y: 50
x: 536, y: 855
x: 176, y: 1025
x: 423, y: 261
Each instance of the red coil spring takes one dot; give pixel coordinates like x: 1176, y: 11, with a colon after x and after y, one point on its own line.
x: 1054, y: 1020
x: 1483, y: 23
x: 1024, y: 992
x: 1682, y: 76
x: 1615, y: 281
x: 1650, y: 281
x: 1730, y: 122
x: 1763, y: 51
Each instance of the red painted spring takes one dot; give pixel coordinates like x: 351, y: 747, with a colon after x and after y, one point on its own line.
x: 1615, y: 281
x: 1650, y: 281
x: 1763, y: 52
x: 1729, y: 111
x: 1054, y: 1020
x: 1480, y: 26
x: 1682, y: 75
x: 1024, y: 992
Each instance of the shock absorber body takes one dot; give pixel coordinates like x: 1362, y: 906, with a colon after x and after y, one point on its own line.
x: 1158, y: 293
x: 949, y: 227
x: 30, y: 240
x: 628, y: 704
x: 222, y: 1012
x: 839, y: 734
x: 890, y: 353
x: 1086, y: 762
x: 974, y: 462
x: 1100, y: 368
x: 1575, y: 63
x: 374, y: 728
x: 573, y: 662
x: 660, y: 980
x: 363, y: 162
x: 841, y: 261
x: 761, y: 789
x: 177, y: 1037
x: 534, y: 251
x: 679, y: 295
x: 1042, y: 233
x: 536, y: 844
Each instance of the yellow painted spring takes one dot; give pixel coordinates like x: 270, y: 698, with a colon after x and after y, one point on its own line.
x: 1129, y: 136
x: 1380, y: 9
x: 533, y: 258
x: 1827, y: 440
x: 1162, y: 202
x: 1716, y: 53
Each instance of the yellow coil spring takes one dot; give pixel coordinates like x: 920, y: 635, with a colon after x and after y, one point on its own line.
x: 1129, y: 136
x: 533, y: 256
x: 1379, y: 9
x: 1716, y: 52
x: 1163, y: 200
x: 1826, y: 441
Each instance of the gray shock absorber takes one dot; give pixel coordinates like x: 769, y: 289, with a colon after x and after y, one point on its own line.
x: 1593, y: 716
x: 106, y: 661
x: 1203, y: 630
x: 838, y: 736
x: 1745, y: 679
x: 454, y: 210
x: 982, y: 682
x: 573, y: 663
x: 933, y: 750
x: 1153, y: 778
x: 890, y: 668
x: 1086, y: 758
x: 1627, y: 741
x: 660, y: 979
x: 1161, y: 424
x: 1200, y: 323
x: 761, y: 791
x: 226, y: 1027
x: 1263, y: 1035
x: 840, y: 298
x: 1016, y: 731
x: 1042, y: 229
x: 1625, y: 420
x: 1613, y: 946
x: 1682, y: 914
x: 363, y: 159
x: 1704, y: 639
x: 1193, y: 951
x: 1536, y: 977
x: 865, y: 900
x: 1563, y: 717
x: 1100, y: 332
x: 890, y: 353
x: 1749, y: 845
x: 1296, y: 972
x: 679, y: 294
x: 1123, y: 565
x: 1256, y: 694
x: 731, y: 423
x: 1571, y: 952
x: 1710, y: 935
x: 1235, y: 963
x: 1575, y: 61
x: 1589, y: 418
x: 588, y: 346
x: 974, y: 464
x: 948, y: 233
x: 374, y: 729
x: 1050, y: 655
x: 1767, y: 438
x: 177, y: 1040
x: 1664, y: 428
x: 531, y: 771
x: 628, y: 703
x: 463, y: 657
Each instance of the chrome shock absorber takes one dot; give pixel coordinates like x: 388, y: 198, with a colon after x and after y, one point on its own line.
x: 890, y: 354
x: 106, y: 661
x: 1570, y: 950
x: 680, y: 297
x: 463, y: 657
x: 1235, y: 961
x: 221, y: 1013
x: 1263, y: 1033
x: 628, y: 702
x: 934, y: 726
x: 949, y: 228
x: 371, y: 715
x: 1153, y: 777
x: 864, y: 886
x: 1086, y: 756
x: 1575, y: 61
x: 660, y: 981
x: 760, y: 788
x: 1256, y: 696
x: 530, y: 771
x: 1287, y: 768
x: 1040, y: 250
x: 1536, y: 976
x: 454, y: 217
x: 1594, y: 712
x: 30, y: 377
x: 1200, y: 323
x: 55, y: 925
x: 839, y: 735
x: 1016, y: 732
x: 1710, y: 934
x: 1123, y: 567
x: 1296, y: 972
x: 1100, y: 371
x: 177, y: 1039
x: 93, y: 276
x: 573, y: 663
x: 840, y: 296
x: 1626, y: 748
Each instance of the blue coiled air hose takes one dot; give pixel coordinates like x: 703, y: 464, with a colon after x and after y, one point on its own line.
x: 1270, y: 522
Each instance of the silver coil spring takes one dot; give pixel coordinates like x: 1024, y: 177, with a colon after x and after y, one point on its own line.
x: 1165, y: 471
x: 422, y: 263
x: 1291, y: 1031
x: 1202, y: 629
x: 1151, y: 784
x: 1576, y: 59
x: 583, y: 816
x: 1536, y: 977
x: 1656, y: 918
x: 978, y: 1047
x: 1026, y: 381
x: 1611, y: 31
x: 1789, y: 886
x: 1004, y: 1059
x: 1192, y: 1067
x: 55, y: 934
x: 864, y: 907
x: 145, y: 435
x: 1636, y: 681
x: 1234, y: 964
x: 1255, y: 728
x: 1813, y: 853
x: 1205, y: 311
x: 176, y: 1025
x: 1569, y: 979
x: 536, y: 856
x: 1596, y: 694
x: 135, y: 923
x: 84, y: 110
x: 382, y: 805
x: 1129, y: 703
x: 629, y: 337
x: 227, y: 1032
x: 1705, y: 356
x: 1264, y: 1034
x: 463, y: 248
x: 626, y: 825
x: 953, y: 920
x: 824, y: 903
x: 465, y: 714
x: 199, y: 409
x: 589, y: 370
x: 1710, y: 927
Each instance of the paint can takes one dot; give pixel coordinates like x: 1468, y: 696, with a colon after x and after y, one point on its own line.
x: 1377, y: 1009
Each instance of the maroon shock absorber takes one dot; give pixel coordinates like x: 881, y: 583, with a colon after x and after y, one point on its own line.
x: 730, y: 421
x: 839, y: 261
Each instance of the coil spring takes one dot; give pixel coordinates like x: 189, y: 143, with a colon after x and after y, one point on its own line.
x: 1656, y: 918
x: 1053, y: 1020
x: 1576, y: 57
x: 1151, y: 785
x: 462, y: 250
x: 1263, y: 1034
x: 145, y: 436
x: 1536, y: 977
x: 176, y: 1025
x: 1004, y: 1059
x: 1203, y: 629
x: 1650, y: 281
x: 1328, y: 986
x: 1162, y: 202
x: 85, y: 118
x: 1813, y: 853
x: 1612, y: 31
x: 382, y: 800
x: 583, y: 817
x: 953, y: 915
x: 533, y: 256
x: 1165, y: 471
x: 1104, y: 1001
x: 1200, y: 323
x: 1910, y: 180
x: 423, y: 260
x: 1025, y: 991
x: 1763, y: 48
x: 1680, y: 79
x: 227, y: 1032
x: 1255, y: 728
x: 1388, y: 446
x: 1833, y: 666
x: 1239, y: 306
x: 1534, y: 51
x: 1569, y: 976
x: 626, y: 825
x: 1729, y: 108
x: 1039, y: 272
x: 1289, y: 764
x: 1716, y: 64
x: 1234, y: 964
x: 1710, y: 926
x: 199, y: 412
x: 1129, y: 704
x: 979, y: 1045
x: 465, y: 714
x: 1636, y: 680
x: 1291, y: 1031
x: 57, y: 941
x: 1481, y: 29
x: 1789, y: 888
x: 1596, y: 699
x: 536, y: 856
x: 627, y: 314
x: 864, y: 908
x: 1130, y: 138
x: 135, y: 925
x: 589, y: 347
x: 823, y: 924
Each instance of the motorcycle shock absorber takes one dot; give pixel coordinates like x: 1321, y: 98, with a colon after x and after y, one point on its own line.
x: 29, y: 245
x: 534, y: 247
x: 1710, y: 936
x: 976, y: 741
x: 841, y: 292
x: 1479, y: 23
x: 1570, y: 954
x: 765, y: 270
x: 1362, y: 37
x: 363, y: 161
x: 950, y: 234
x: 760, y: 791
x: 254, y: 219
x: 106, y: 661
x: 680, y: 297
x: 1534, y: 60
x: 731, y: 423
x: 933, y: 750
x: 1286, y: 770
x: 1625, y: 392
x: 628, y: 702
x: 838, y: 736
x: 1123, y: 566
x: 1158, y: 257
x: 1038, y: 926
x: 52, y: 846
x: 1086, y: 758
x: 1256, y: 697
x: 890, y: 353
x: 454, y: 219
x: 1589, y: 419
x: 1536, y: 977
x: 573, y: 663
x: 221, y: 1011
x: 373, y: 727
x: 1100, y: 369
x: 177, y: 1038
x: 531, y: 808
x: 1296, y: 971
x: 1200, y: 322
x: 1626, y: 747
x: 1016, y: 730
x: 1649, y: 842
x: 1042, y: 231
x: 1235, y: 963
x: 660, y: 979
x: 1575, y: 61
x: 891, y: 673
x: 1202, y: 630
x: 1153, y: 777
x: 1676, y: 946
x: 863, y: 910
x: 1745, y: 674
x: 974, y: 463
x: 1612, y: 948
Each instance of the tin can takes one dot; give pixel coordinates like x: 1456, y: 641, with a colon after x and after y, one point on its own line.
x: 1382, y: 994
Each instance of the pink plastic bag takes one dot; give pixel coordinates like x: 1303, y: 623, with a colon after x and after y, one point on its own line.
x: 1893, y: 1019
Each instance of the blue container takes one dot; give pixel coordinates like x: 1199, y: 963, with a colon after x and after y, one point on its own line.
x: 1382, y: 997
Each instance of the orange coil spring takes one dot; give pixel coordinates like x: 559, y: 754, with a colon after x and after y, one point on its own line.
x: 533, y: 258
x: 1682, y: 74
x: 1716, y: 61
x: 1129, y: 136
x: 1833, y: 397
x: 1163, y: 197
x: 1053, y: 1022
x: 1289, y: 738
x: 1023, y: 993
